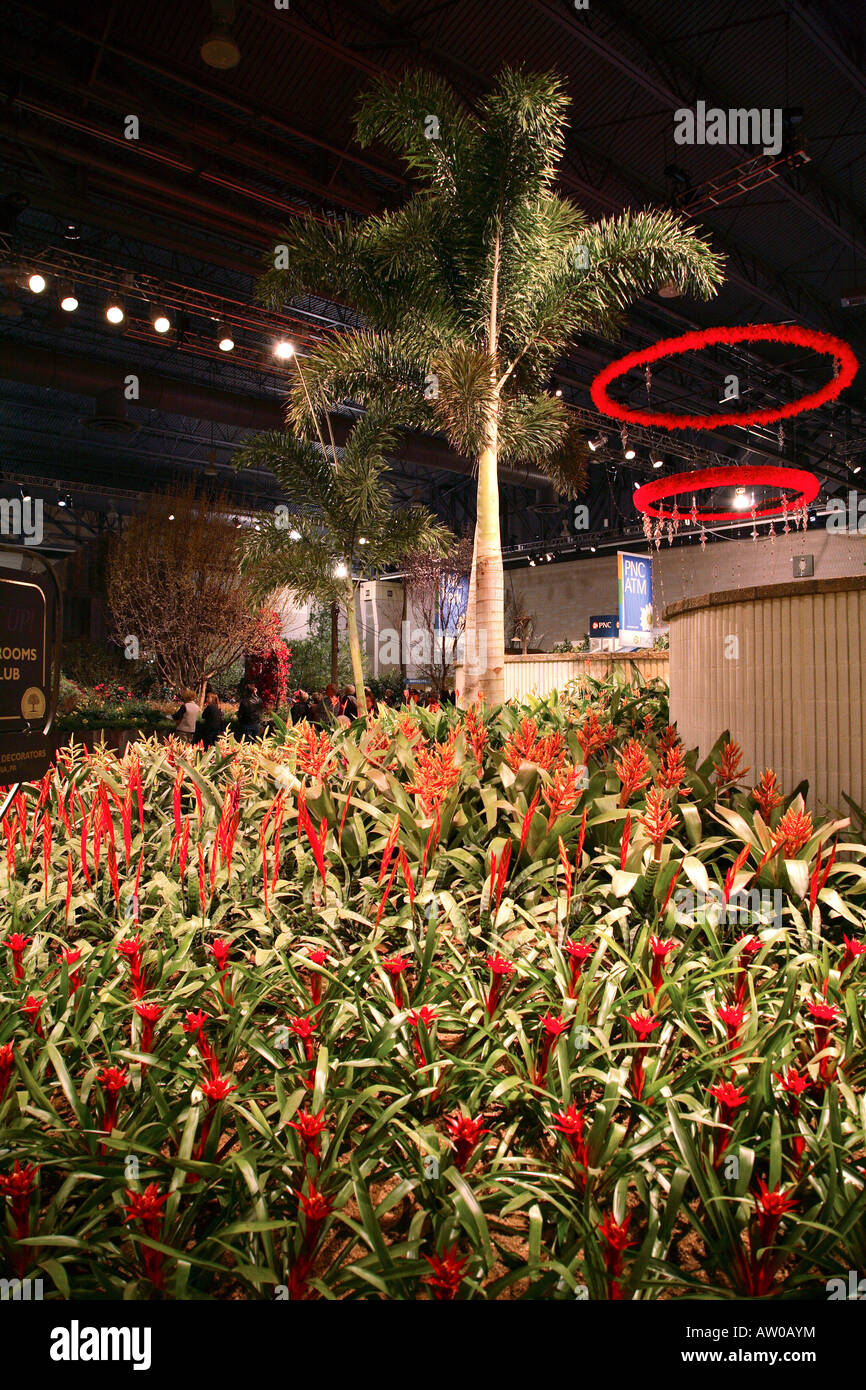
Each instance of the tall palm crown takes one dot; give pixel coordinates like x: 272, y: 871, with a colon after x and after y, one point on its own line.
x: 473, y: 289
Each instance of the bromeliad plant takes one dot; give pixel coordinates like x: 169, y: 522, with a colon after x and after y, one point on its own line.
x: 431, y: 1009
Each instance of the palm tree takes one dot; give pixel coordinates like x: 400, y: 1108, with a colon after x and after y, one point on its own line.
x: 346, y: 526
x: 472, y: 290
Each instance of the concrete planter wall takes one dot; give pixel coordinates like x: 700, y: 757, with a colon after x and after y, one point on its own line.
x: 543, y: 672
x: 782, y: 666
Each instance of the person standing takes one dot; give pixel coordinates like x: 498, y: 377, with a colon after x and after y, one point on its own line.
x: 212, y: 720
x: 250, y: 714
x: 187, y: 716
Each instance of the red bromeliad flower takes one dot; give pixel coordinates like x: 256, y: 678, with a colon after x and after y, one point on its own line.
x: 501, y: 970
x: 194, y: 1026
x: 793, y: 1084
x: 302, y: 1028
x: 318, y: 956
x: 112, y: 1080
x: 415, y: 1017
x: 792, y: 832
x: 446, y: 1273
x: 578, y: 952
x: 215, y: 1088
x: 17, y: 944
x: 309, y: 1128
x: 552, y: 1025
x: 7, y: 1066
x: 150, y: 1014
x: 825, y: 1016
x: 221, y: 950
x: 69, y: 958
x: 31, y: 1008
x: 615, y: 1241
x: 394, y: 967
x: 730, y: 1098
x: 131, y: 949
x: 19, y: 1186
x: 766, y: 794
x: 643, y: 1025
x: 633, y: 770
x: 571, y: 1124
x: 853, y: 950
x: 658, y: 821
x: 464, y: 1133
x: 728, y: 769
x: 755, y: 1271
x: 563, y: 793
x: 476, y: 734
x: 732, y: 1016
x: 749, y: 946
x: 146, y: 1207
x: 316, y: 1208
x: 660, y: 951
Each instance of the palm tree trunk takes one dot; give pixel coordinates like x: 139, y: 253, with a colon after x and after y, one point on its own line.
x: 489, y: 577
x: 469, y: 691
x: 355, y: 649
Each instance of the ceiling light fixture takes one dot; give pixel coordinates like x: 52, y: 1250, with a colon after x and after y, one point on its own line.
x: 598, y: 442
x: 283, y: 349
x: 114, y: 310
x: 36, y: 282
x: 159, y: 318
x: 68, y: 299
x: 224, y: 338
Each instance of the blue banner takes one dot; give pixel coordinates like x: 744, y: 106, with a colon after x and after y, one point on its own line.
x: 604, y: 625
x: 635, y: 582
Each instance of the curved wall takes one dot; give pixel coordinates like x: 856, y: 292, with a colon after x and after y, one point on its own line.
x: 783, y: 667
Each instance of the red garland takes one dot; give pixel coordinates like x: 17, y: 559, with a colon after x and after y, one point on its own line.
x: 822, y: 343
x: 771, y: 475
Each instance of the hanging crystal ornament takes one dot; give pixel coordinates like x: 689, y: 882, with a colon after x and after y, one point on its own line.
x: 647, y: 527
x: 781, y: 435
x: 648, y: 374
x: 754, y: 525
x: 703, y: 538
x: 786, y: 528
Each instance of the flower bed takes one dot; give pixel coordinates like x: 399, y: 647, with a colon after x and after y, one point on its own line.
x: 421, y: 1010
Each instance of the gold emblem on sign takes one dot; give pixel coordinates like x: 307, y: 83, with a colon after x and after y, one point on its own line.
x: 33, y: 703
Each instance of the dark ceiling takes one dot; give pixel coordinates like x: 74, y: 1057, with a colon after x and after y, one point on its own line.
x: 182, y: 214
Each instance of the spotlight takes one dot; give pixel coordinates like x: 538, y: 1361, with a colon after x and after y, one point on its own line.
x: 532, y: 561
x: 341, y: 570
x: 629, y: 453
x: 558, y: 391
x: 856, y: 468
x: 219, y: 49
x: 64, y: 500
x: 114, y: 311
x: 224, y: 338
x: 68, y: 299
x: 294, y: 535
x: 548, y: 557
x: 742, y: 502
x: 656, y: 458
x: 283, y: 349
x: 159, y: 318
x: 593, y: 549
x: 598, y: 442
x: 36, y: 283
x: 362, y: 540
x: 171, y: 516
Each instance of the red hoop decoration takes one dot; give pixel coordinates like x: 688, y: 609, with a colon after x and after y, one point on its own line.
x: 823, y: 343
x: 773, y: 476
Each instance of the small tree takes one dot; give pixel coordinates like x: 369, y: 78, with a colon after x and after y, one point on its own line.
x: 340, y: 525
x: 175, y: 591
x: 519, y: 622
x: 437, y: 587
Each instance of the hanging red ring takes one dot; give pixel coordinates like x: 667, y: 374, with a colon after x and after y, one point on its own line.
x: 772, y: 475
x: 823, y: 343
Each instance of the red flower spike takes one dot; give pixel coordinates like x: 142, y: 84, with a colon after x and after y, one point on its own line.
x: 464, y: 1134
x: 501, y: 970
x: 729, y: 770
x: 447, y: 1273
x: 633, y: 770
x: 766, y: 794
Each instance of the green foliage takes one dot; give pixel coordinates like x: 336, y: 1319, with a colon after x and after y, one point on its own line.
x: 311, y: 655
x: 281, y: 886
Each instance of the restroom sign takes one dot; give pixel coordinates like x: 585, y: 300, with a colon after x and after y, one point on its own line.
x: 24, y: 654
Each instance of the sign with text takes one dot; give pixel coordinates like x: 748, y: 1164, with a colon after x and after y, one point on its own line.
x: 635, y: 582
x: 23, y: 651
x: 604, y: 625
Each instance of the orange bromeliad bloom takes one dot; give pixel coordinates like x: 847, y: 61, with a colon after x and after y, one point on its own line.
x: 563, y: 793
x: 728, y: 770
x: 793, y: 830
x: 672, y: 768
x: 527, y: 746
x: 435, y: 775
x: 659, y: 819
x: 314, y: 752
x: 766, y: 793
x: 632, y: 768
x: 593, y: 736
